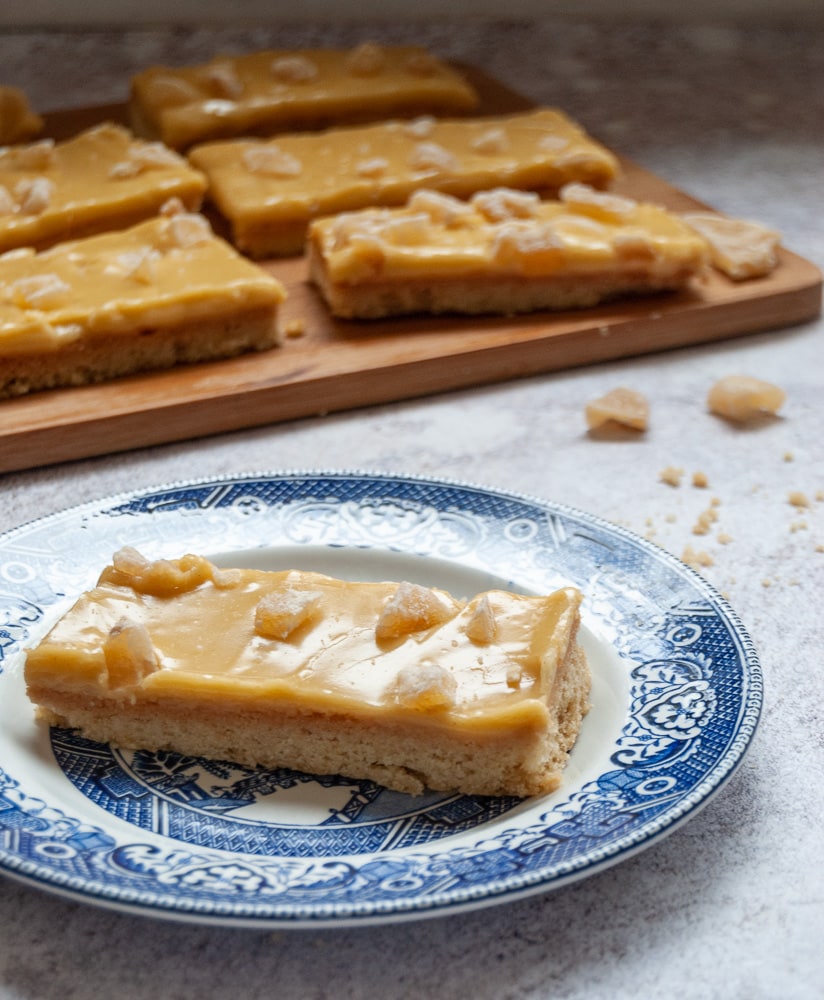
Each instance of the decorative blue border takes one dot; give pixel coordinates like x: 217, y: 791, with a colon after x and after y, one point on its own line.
x: 695, y: 697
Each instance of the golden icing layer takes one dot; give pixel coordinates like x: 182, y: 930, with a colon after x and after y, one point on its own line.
x: 264, y: 187
x: 274, y: 91
x: 186, y: 630
x: 169, y: 270
x: 504, y: 232
x: 102, y: 179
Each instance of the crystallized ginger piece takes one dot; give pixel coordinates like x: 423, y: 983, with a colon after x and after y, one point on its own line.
x: 271, y: 161
x: 425, y: 687
x: 161, y: 578
x: 412, y: 608
x: 742, y: 397
x: 367, y: 59
x: 738, y: 248
x: 620, y: 406
x: 281, y: 612
x: 481, y: 626
x: 18, y: 123
x: 129, y: 655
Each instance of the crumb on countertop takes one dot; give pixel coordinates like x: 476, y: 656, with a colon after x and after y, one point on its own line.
x: 696, y: 558
x: 798, y: 499
x: 671, y: 475
x: 294, y: 327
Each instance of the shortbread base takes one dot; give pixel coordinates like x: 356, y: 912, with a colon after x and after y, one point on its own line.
x: 406, y: 757
x: 106, y: 356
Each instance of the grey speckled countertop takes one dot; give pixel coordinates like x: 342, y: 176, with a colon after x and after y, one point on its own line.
x: 729, y: 906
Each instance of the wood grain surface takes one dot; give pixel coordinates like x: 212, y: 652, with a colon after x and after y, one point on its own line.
x: 339, y: 365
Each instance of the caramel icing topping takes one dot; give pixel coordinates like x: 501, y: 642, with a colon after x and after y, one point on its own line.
x: 505, y: 232
x: 310, y: 641
x: 299, y: 176
x: 50, y: 190
x: 271, y: 91
x: 168, y: 270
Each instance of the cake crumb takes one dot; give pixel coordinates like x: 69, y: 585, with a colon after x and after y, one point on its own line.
x: 798, y: 526
x: 766, y: 583
x: 696, y: 558
x: 294, y: 327
x: 788, y: 456
x: 798, y: 499
x: 699, y: 479
x: 671, y: 475
x: 724, y: 538
x: 705, y: 521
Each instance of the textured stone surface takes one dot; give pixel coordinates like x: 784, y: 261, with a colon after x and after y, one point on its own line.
x: 730, y: 905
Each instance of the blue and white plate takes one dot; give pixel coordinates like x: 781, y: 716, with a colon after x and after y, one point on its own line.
x: 675, y: 702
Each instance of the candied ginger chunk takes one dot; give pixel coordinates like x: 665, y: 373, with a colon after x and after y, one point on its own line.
x: 425, y: 687
x: 367, y: 59
x: 34, y: 195
x: 502, y: 204
x: 420, y: 127
x: 375, y: 166
x: 281, y: 612
x: 17, y: 120
x: 442, y: 208
x: 161, y: 577
x: 607, y: 207
x: 493, y: 141
x: 7, y: 204
x: 293, y: 69
x: 271, y: 161
x: 36, y: 156
x: 39, y: 291
x: 129, y: 655
x: 431, y: 156
x: 738, y: 248
x: 188, y: 230
x: 621, y: 406
x: 411, y: 608
x: 481, y: 627
x: 742, y: 397
x: 223, y: 80
x: 171, y: 92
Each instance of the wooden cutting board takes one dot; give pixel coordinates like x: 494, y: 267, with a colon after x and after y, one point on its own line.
x: 339, y: 365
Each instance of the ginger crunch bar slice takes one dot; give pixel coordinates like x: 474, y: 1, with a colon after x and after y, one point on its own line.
x: 163, y: 292
x: 392, y: 682
x: 270, y: 190
x: 502, y: 252
x: 100, y: 180
x: 264, y: 93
